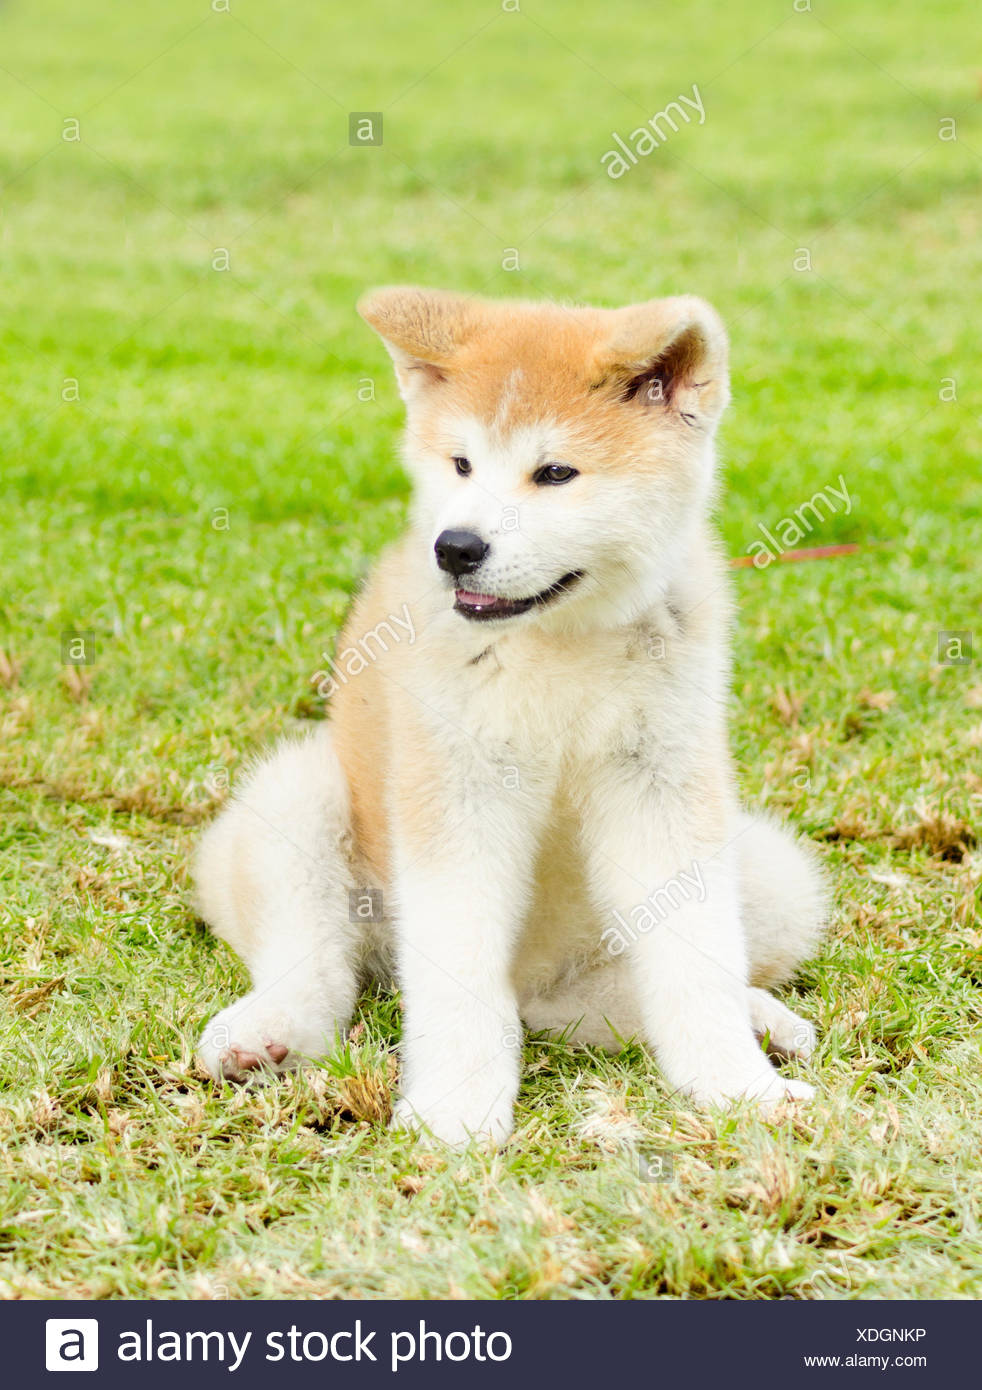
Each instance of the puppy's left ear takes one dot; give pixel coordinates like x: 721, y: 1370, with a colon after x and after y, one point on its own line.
x: 422, y: 329
x: 670, y: 355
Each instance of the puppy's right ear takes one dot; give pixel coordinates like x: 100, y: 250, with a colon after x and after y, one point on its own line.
x: 422, y: 330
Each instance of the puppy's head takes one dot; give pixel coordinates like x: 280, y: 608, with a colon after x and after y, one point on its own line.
x: 560, y: 456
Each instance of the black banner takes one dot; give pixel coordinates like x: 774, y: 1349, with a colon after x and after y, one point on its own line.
x: 415, y: 1344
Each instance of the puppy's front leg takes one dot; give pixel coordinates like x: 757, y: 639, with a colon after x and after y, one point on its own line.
x: 665, y: 880
x: 463, y: 870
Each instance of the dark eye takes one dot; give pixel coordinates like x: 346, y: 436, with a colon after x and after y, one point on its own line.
x: 463, y: 466
x: 553, y: 473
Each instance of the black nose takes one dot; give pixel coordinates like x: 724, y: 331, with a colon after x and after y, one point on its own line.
x: 459, y: 552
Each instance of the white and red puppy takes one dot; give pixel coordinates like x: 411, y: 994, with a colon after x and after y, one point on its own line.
x: 527, y: 757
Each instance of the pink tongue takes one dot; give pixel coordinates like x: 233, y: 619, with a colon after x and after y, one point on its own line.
x: 476, y: 600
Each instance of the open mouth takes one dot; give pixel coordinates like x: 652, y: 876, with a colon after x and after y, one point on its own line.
x: 481, y: 607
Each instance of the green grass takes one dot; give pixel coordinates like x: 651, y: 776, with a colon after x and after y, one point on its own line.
x: 125, y: 1173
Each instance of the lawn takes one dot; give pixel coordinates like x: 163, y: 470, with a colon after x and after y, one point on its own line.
x: 199, y: 462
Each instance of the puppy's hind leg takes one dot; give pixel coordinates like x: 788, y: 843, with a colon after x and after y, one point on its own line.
x: 272, y: 878
x: 784, y: 909
x: 783, y: 900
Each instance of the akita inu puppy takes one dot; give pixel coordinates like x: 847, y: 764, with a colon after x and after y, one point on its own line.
x: 534, y: 770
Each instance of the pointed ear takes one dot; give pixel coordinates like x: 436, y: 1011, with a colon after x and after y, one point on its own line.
x: 670, y: 355
x: 422, y: 329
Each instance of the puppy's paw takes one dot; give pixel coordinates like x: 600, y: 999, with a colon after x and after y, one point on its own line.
x: 255, y: 1037
x: 455, y: 1125
x: 785, y: 1091
x: 785, y: 1033
x: 766, y: 1089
